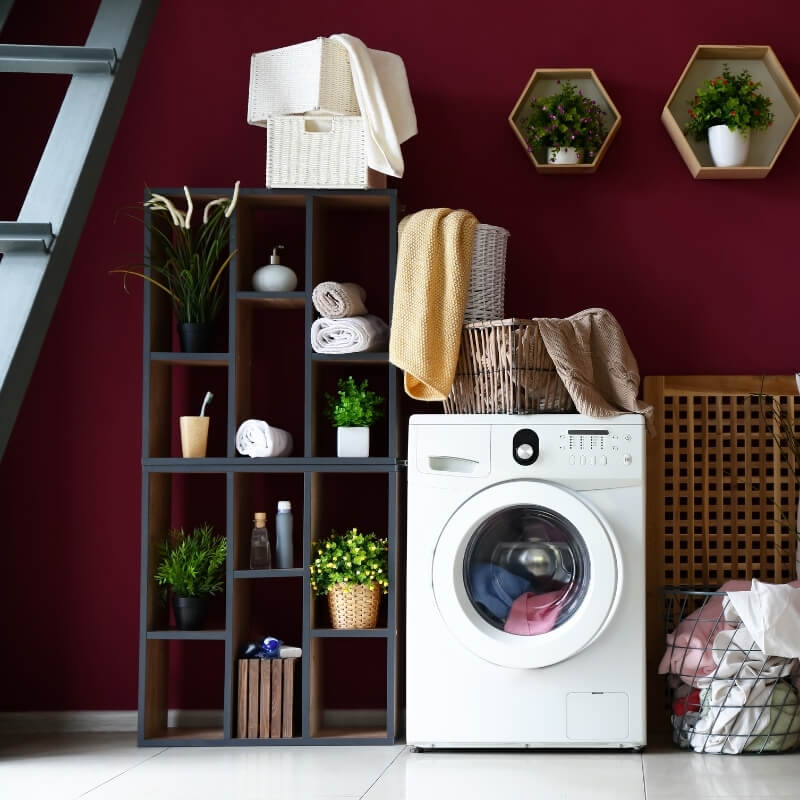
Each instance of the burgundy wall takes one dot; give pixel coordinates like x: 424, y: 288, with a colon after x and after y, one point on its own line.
x: 701, y: 275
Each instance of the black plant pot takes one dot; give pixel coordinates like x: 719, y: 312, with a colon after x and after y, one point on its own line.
x: 190, y: 612
x: 195, y: 336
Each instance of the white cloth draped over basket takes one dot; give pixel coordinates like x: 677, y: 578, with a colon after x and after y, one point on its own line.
x: 256, y: 439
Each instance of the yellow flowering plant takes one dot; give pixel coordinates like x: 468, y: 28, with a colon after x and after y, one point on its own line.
x: 349, y: 558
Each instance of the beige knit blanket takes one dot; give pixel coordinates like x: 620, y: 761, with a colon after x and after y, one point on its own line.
x: 434, y: 259
x: 593, y: 359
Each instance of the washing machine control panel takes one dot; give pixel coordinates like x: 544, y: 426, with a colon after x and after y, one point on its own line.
x: 596, y: 447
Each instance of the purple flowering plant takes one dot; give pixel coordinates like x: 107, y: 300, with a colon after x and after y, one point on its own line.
x: 566, y: 119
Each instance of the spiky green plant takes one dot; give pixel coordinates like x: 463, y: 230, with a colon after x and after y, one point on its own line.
x: 187, y: 262
x: 193, y: 565
x: 350, y: 558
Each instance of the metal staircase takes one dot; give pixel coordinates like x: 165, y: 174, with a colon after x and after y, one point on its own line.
x: 38, y: 247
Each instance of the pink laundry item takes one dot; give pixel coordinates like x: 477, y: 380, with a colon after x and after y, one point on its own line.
x: 689, y: 647
x: 532, y: 614
x: 688, y: 653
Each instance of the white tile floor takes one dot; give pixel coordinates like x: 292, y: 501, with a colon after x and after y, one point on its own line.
x: 104, y: 766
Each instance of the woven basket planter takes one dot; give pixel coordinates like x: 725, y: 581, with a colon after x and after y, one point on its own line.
x: 504, y: 368
x: 311, y: 76
x: 488, y: 276
x: 354, y: 605
x: 319, y: 152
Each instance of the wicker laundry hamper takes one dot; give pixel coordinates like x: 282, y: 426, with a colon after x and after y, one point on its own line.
x: 488, y: 276
x: 504, y: 368
x: 354, y: 605
x: 310, y: 76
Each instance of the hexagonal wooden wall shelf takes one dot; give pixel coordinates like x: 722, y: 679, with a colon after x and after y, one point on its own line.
x: 766, y: 146
x: 542, y: 84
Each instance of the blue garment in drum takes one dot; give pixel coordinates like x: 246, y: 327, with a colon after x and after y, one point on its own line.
x: 495, y: 588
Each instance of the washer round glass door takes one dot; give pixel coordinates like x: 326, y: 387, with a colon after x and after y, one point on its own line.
x: 526, y: 573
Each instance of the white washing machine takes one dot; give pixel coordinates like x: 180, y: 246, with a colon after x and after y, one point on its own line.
x: 526, y: 581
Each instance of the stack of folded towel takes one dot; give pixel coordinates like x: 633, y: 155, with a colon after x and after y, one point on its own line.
x: 345, y: 326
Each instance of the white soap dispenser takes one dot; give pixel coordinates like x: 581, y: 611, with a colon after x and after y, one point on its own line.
x: 274, y: 277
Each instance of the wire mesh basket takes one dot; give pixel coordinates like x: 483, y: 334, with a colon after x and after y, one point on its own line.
x: 725, y: 694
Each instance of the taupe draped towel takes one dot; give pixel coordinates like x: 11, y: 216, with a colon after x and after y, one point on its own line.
x: 595, y: 363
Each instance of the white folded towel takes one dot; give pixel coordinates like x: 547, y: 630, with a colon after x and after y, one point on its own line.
x: 349, y: 334
x: 335, y: 300
x: 256, y: 439
x: 290, y: 652
x: 381, y: 86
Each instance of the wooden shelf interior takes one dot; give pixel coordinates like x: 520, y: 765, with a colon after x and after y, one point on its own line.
x: 706, y: 62
x: 270, y: 357
x: 261, y: 492
x: 264, y: 221
x: 326, y: 375
x: 545, y: 82
x: 331, y: 661
x: 182, y: 675
x: 180, y: 501
x: 337, y: 504
x: 177, y: 388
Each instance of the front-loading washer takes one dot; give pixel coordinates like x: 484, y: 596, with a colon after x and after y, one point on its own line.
x: 525, y: 581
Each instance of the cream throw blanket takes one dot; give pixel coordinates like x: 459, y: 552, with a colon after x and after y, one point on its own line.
x: 381, y: 86
x: 595, y: 363
x: 434, y: 260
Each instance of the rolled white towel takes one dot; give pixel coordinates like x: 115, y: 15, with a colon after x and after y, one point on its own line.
x: 256, y: 439
x: 335, y: 300
x: 349, y: 334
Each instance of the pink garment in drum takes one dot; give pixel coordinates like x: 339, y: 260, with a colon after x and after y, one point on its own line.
x: 532, y: 614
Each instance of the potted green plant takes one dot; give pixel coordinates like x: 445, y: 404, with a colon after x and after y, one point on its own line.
x: 352, y: 569
x: 726, y: 110
x: 351, y: 411
x: 193, y: 566
x: 188, y: 262
x: 568, y: 125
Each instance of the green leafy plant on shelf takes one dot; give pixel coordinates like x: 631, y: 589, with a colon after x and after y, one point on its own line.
x: 729, y: 99
x: 351, y: 558
x: 193, y: 565
x: 354, y: 405
x: 565, y: 119
x: 187, y: 262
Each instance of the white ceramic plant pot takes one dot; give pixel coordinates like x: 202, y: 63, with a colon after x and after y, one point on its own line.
x: 728, y: 148
x: 563, y: 155
x: 352, y: 442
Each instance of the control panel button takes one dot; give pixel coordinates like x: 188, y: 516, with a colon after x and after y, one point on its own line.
x: 583, y: 461
x: 525, y: 451
x: 628, y: 437
x: 603, y: 461
x: 572, y: 459
x: 627, y: 459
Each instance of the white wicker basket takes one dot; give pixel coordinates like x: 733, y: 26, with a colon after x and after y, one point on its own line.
x: 311, y: 76
x: 488, y: 279
x: 318, y: 152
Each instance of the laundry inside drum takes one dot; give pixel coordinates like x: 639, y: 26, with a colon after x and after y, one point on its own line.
x: 526, y: 570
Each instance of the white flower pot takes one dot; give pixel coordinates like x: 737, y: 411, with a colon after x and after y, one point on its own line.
x: 563, y: 155
x: 728, y: 148
x: 352, y: 442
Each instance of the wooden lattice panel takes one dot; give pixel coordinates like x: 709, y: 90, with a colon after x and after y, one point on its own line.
x: 721, y: 492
